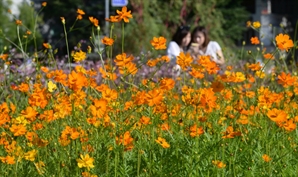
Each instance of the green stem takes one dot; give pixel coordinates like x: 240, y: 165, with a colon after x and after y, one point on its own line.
x: 67, y: 48
x: 20, y: 41
x: 122, y: 37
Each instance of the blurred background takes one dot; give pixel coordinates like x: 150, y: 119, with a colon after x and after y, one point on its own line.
x: 225, y: 19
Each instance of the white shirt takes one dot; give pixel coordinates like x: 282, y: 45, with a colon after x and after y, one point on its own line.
x: 173, y: 51
x: 211, y: 50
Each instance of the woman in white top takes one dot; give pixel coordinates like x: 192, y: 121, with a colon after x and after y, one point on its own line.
x: 201, y: 45
x: 179, y: 43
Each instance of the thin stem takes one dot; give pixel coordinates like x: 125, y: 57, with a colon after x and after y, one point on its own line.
x: 67, y: 48
x: 122, y: 37
x: 20, y: 41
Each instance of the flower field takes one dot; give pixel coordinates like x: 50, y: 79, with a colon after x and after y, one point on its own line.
x: 129, y: 116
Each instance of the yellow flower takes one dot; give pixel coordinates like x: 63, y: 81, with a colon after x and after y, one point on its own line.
x: 40, y: 167
x: 51, y: 86
x: 79, y: 56
x: 256, y: 24
x: 44, y: 4
x: 162, y: 142
x: 85, y: 161
x: 21, y: 120
x: 260, y: 74
x: 30, y: 155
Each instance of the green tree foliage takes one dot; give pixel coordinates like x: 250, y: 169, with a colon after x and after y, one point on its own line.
x: 150, y: 18
x: 9, y: 34
x: 30, y: 21
x: 7, y: 26
x: 77, y: 31
x: 161, y: 17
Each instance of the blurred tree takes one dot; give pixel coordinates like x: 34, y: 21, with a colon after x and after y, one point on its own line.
x: 150, y: 18
x: 30, y: 20
x: 161, y: 18
x: 7, y: 24
x: 53, y: 28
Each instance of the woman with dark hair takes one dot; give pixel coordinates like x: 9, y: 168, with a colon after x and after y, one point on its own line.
x: 179, y: 42
x: 201, y: 45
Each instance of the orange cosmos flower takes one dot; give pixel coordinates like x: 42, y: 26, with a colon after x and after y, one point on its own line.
x: 122, y: 59
x: 18, y: 130
x: 230, y: 133
x: 196, y: 74
x: 23, y: 87
x: 107, y: 41
x: 126, y: 140
x: 255, y: 67
x: 80, y: 14
x: 29, y: 113
x: 152, y: 63
x: 112, y: 19
x: 124, y: 14
x: 145, y: 120
x: 268, y: 56
x: 184, y: 60
x: 159, y: 43
x: 94, y: 21
x: 44, y: 69
x: 109, y: 94
x: 76, y: 81
x: 46, y: 45
x: 266, y: 158
x: 154, y: 97
x: 162, y: 142
x: 128, y: 68
x: 254, y: 40
x: 277, y: 115
x: 289, y: 125
x: 219, y: 164
x: 196, y: 131
x: 217, y: 86
x: 284, y: 42
x: 8, y: 160
x: 44, y: 4
x: 107, y: 74
x: 165, y: 58
x: 167, y: 84
x: 4, y: 57
x: 285, y: 79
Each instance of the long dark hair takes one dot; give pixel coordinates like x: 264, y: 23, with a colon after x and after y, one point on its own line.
x: 202, y: 30
x: 181, y: 32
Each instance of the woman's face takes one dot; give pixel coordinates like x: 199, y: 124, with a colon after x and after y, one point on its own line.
x: 199, y: 38
x: 186, y: 40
